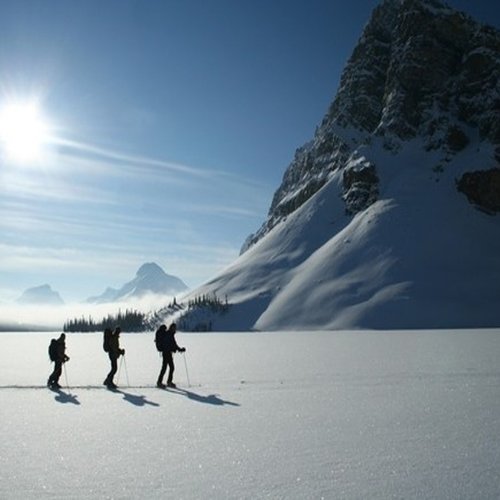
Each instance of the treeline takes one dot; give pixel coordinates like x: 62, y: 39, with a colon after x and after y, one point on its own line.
x: 210, y: 302
x: 201, y: 313
x: 195, y: 315
x: 129, y: 321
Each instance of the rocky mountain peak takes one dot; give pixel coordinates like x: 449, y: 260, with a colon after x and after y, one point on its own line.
x: 420, y: 69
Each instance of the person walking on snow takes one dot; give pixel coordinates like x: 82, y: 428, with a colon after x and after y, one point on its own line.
x: 58, y: 355
x: 167, y: 345
x: 112, y: 347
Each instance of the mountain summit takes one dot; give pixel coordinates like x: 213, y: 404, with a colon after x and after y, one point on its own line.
x: 387, y: 217
x: 40, y: 295
x: 420, y: 71
x: 149, y: 279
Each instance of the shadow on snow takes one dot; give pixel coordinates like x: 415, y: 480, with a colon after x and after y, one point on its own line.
x: 135, y: 399
x: 65, y: 397
x: 211, y: 399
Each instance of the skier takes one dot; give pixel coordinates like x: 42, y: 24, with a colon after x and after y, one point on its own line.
x: 167, y: 345
x: 57, y: 351
x: 112, y: 347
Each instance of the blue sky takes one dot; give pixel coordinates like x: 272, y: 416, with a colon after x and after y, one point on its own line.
x: 172, y: 124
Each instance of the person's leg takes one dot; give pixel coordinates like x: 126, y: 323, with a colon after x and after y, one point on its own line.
x: 114, y: 369
x: 56, y: 373
x: 170, y: 363
x: 52, y: 376
x: 163, y: 368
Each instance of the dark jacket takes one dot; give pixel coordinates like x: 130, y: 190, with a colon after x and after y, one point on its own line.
x: 114, y: 345
x: 61, y: 350
x: 167, y: 341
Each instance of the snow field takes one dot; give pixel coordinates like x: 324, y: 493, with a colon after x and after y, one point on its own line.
x: 281, y: 415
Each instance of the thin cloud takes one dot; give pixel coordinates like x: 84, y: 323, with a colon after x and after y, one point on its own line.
x: 14, y: 258
x: 78, y: 149
x: 54, y: 222
x: 71, y: 177
x: 41, y: 187
x: 139, y: 163
x: 182, y: 260
x: 224, y: 210
x: 22, y: 257
x: 89, y: 166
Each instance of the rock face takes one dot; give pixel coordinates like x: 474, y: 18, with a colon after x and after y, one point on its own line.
x: 360, y: 187
x: 40, y: 295
x: 482, y: 189
x: 420, y: 69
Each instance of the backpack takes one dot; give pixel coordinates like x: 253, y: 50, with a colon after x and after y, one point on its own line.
x: 107, y: 337
x: 160, y: 338
x: 53, y: 350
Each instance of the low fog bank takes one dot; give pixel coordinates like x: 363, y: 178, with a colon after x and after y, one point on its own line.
x: 18, y: 317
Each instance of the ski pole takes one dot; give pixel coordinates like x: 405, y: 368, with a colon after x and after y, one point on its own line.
x: 119, y: 371
x: 66, y: 377
x: 126, y: 371
x: 186, y: 366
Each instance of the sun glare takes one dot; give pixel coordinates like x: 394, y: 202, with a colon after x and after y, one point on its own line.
x: 23, y: 131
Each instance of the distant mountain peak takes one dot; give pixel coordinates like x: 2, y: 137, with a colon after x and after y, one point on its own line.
x: 149, y: 268
x: 40, y: 295
x: 150, y: 278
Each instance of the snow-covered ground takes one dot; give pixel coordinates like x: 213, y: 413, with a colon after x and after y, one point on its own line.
x: 299, y: 415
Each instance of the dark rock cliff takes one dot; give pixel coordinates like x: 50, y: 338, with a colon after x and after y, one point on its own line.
x: 420, y: 69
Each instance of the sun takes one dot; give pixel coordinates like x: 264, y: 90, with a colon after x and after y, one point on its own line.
x: 23, y: 131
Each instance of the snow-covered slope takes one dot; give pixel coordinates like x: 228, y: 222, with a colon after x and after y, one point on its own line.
x: 419, y: 257
x: 149, y: 279
x: 376, y: 223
